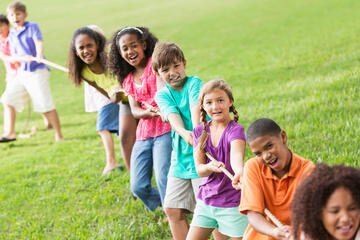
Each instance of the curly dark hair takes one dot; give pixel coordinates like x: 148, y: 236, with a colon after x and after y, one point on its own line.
x: 74, y: 63
x: 117, y: 65
x: 312, y: 195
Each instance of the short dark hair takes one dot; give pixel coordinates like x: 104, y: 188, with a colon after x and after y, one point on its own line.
x: 3, y: 19
x: 313, y: 194
x: 166, y: 53
x: 262, y: 127
x: 16, y: 6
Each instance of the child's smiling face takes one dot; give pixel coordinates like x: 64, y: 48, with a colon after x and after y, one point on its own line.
x: 4, y: 30
x: 16, y: 17
x: 273, y: 152
x: 173, y: 74
x: 217, y: 105
x: 341, y: 215
x: 86, y: 48
x: 132, y: 50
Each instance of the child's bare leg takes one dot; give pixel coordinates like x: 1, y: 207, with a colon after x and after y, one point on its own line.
x: 108, y: 142
x: 219, y: 236
x: 127, y: 135
x: 53, y: 119
x: 46, y: 123
x: 199, y: 233
x: 178, y: 223
x: 9, y: 121
x: 236, y: 238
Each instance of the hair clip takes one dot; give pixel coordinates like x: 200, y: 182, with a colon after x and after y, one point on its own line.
x: 130, y: 28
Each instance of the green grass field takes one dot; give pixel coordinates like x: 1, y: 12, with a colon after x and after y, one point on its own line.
x: 294, y: 61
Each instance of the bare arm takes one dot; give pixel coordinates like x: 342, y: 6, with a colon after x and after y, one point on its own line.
x: 178, y: 125
x: 204, y: 169
x: 237, y: 153
x: 138, y: 112
x: 39, y: 49
x: 16, y: 58
x: 195, y: 115
x: 261, y: 225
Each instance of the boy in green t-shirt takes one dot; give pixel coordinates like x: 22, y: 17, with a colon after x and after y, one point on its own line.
x: 178, y: 103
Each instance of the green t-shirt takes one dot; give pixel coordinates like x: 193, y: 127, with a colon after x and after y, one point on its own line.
x: 104, y: 81
x: 180, y: 102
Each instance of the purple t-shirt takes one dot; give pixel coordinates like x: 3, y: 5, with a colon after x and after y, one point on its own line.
x: 216, y: 190
x: 22, y: 43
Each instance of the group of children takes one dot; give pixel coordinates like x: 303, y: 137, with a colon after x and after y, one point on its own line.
x: 26, y: 77
x: 180, y: 129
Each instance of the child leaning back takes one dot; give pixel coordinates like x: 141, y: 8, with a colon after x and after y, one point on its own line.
x: 178, y: 105
x: 130, y: 61
x: 32, y: 78
x: 270, y: 180
x: 223, y: 139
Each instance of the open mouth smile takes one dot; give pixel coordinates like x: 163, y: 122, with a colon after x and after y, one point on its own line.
x: 345, y: 230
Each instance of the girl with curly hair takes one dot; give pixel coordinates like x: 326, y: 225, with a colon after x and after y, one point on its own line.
x: 326, y: 206
x: 130, y: 61
x: 87, y: 62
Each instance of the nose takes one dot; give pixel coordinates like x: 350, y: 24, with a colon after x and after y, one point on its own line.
x: 130, y: 51
x: 344, y: 217
x: 266, y: 156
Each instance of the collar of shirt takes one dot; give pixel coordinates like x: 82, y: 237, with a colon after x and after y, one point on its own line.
x: 294, y: 169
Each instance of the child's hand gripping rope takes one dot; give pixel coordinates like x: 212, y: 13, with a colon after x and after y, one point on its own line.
x: 155, y: 110
x: 280, y: 227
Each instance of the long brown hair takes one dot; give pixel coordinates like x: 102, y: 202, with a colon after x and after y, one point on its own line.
x: 206, y: 89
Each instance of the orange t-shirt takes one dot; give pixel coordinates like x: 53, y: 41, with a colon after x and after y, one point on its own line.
x: 261, y: 189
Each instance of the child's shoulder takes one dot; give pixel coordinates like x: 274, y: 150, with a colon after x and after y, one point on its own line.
x: 235, y: 126
x: 198, y: 129
x: 194, y: 80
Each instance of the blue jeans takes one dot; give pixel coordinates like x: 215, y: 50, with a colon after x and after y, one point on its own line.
x: 146, y: 154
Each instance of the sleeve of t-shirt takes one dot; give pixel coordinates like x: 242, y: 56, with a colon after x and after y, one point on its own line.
x: 36, y: 33
x: 197, y: 132
x: 252, y: 196
x: 194, y: 90
x: 237, y: 132
x: 165, y: 103
x: 127, y: 86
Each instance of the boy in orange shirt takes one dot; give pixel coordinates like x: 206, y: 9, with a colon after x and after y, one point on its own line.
x: 270, y: 180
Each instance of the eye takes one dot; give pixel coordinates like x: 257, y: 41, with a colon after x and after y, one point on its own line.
x: 164, y: 70
x: 269, y: 146
x: 334, y: 211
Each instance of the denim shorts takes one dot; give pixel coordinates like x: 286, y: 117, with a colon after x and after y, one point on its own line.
x: 229, y: 221
x: 108, y: 118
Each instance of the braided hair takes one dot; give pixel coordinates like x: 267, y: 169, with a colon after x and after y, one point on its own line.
x: 206, y: 89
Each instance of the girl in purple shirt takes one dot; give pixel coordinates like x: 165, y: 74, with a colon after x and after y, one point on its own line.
x: 224, y: 139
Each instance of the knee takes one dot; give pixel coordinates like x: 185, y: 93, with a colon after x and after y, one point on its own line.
x: 174, y: 214
x: 125, y: 134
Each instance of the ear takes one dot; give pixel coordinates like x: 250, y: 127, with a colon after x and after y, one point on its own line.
x: 26, y: 14
x: 185, y: 63
x: 156, y: 73
x: 283, y: 137
x: 144, y: 46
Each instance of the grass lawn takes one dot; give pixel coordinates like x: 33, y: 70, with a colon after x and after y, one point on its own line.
x: 294, y: 61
